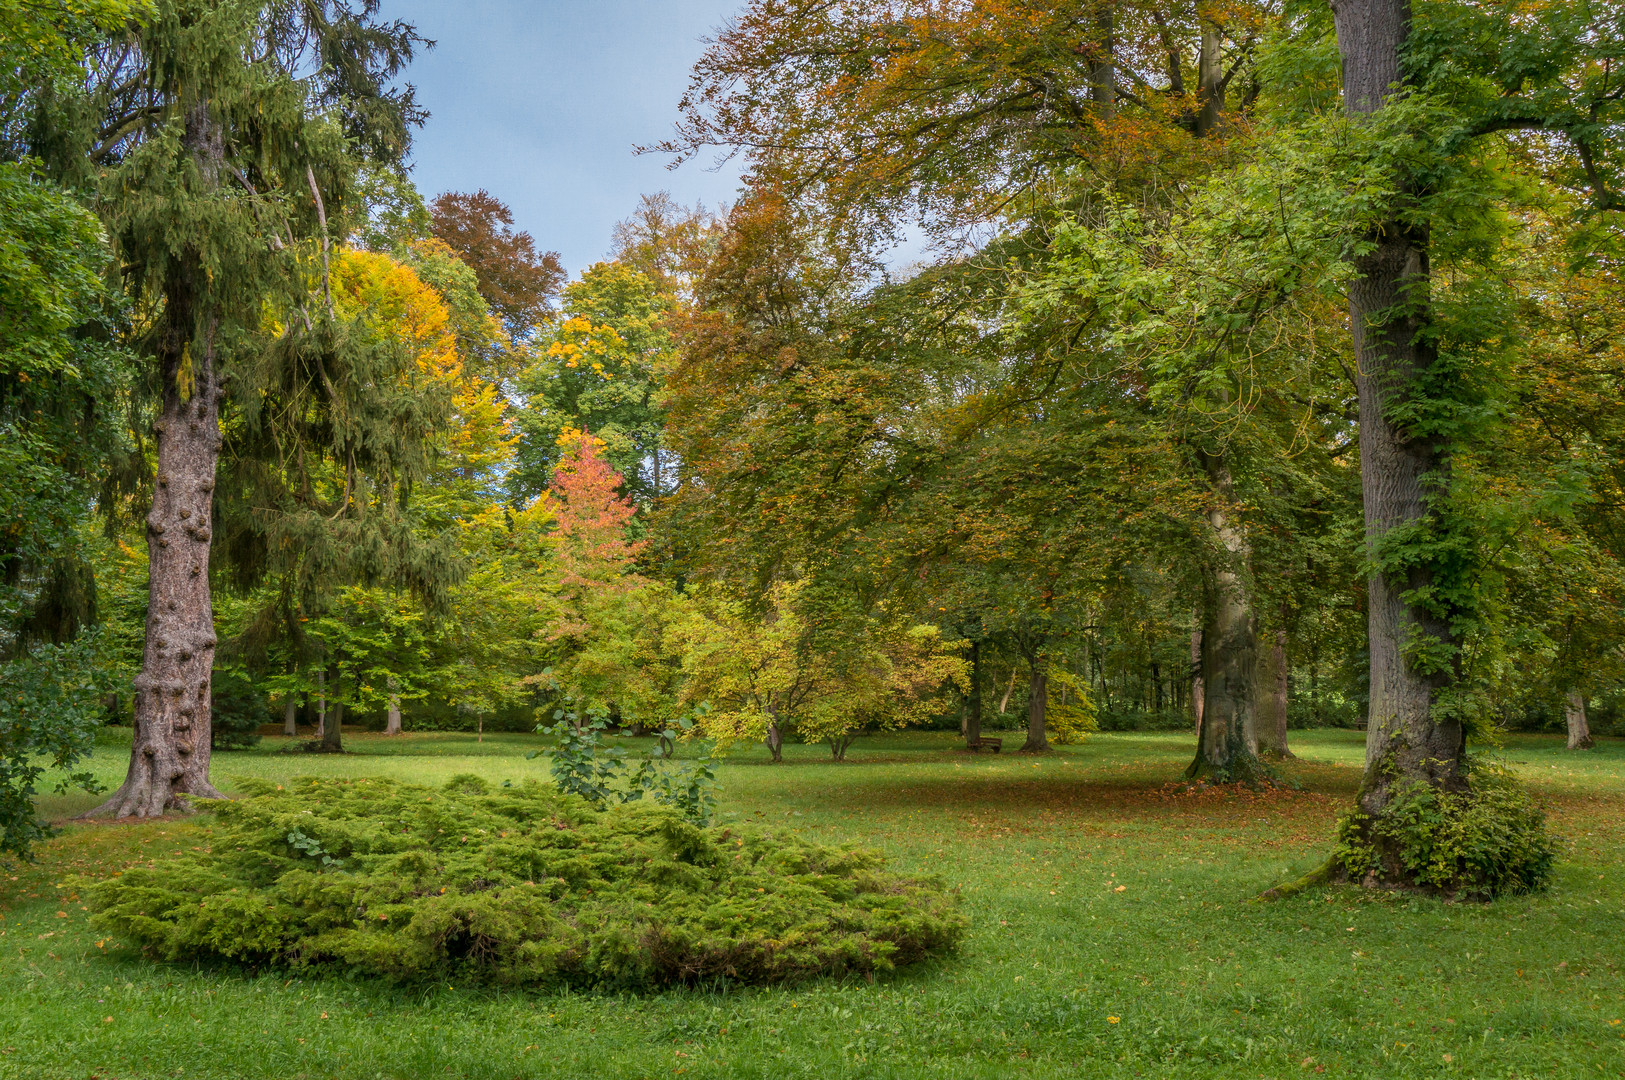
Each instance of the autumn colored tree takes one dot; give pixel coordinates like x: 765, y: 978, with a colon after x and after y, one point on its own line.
x: 809, y: 664
x: 518, y: 281
x: 601, y: 369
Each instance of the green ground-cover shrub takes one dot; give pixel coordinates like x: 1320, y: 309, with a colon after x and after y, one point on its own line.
x: 521, y: 886
x: 1488, y: 841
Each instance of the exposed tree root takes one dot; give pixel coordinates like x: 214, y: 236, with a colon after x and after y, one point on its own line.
x: 1321, y: 875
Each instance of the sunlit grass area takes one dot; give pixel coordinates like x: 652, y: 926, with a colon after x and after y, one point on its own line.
x: 1112, y: 935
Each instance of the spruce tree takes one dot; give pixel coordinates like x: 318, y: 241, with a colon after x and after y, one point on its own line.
x: 218, y: 135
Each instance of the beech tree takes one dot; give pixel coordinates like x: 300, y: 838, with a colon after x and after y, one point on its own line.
x: 518, y: 281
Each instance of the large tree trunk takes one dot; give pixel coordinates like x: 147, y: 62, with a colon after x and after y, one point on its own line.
x: 1272, y: 699
x: 1226, y: 748
x: 1037, y: 702
x: 1210, y: 81
x: 393, y: 725
x: 169, y: 757
x: 1103, y: 76
x: 290, y: 716
x: 1574, y: 712
x: 973, y: 700
x: 333, y: 730
x: 1389, y: 314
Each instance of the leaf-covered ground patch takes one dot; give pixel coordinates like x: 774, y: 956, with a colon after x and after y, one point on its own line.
x: 520, y: 886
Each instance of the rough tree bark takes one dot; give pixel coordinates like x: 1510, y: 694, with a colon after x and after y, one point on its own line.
x: 1272, y: 699
x: 169, y: 755
x: 1389, y: 314
x: 973, y: 700
x: 1225, y: 746
x: 1574, y: 713
x: 1037, y: 702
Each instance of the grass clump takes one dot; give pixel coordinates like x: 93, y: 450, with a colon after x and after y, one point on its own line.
x: 518, y: 886
x: 1487, y: 841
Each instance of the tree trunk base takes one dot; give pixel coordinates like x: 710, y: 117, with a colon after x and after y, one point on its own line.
x: 143, y: 797
x: 1247, y: 770
x: 1030, y: 747
x: 1277, y: 755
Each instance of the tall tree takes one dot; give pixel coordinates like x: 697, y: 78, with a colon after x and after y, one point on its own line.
x: 216, y: 132
x: 1423, y: 369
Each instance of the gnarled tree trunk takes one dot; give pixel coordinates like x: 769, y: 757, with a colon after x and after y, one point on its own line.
x: 1272, y: 699
x: 169, y: 757
x: 1574, y: 713
x: 1389, y: 313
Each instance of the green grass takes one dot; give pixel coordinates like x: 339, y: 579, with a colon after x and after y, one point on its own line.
x: 1095, y: 894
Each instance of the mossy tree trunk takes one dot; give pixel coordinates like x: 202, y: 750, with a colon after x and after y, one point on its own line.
x: 1574, y: 715
x: 1037, y: 703
x: 169, y: 756
x: 1408, y: 740
x: 1272, y: 698
x: 1227, y: 745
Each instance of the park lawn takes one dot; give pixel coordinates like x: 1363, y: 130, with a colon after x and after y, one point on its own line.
x: 1112, y: 935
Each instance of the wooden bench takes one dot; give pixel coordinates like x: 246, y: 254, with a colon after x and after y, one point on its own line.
x: 976, y: 746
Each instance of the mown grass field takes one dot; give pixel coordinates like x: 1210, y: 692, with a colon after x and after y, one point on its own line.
x: 1112, y: 936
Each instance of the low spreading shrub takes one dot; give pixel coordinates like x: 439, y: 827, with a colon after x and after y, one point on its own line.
x: 1487, y: 841
x: 518, y: 886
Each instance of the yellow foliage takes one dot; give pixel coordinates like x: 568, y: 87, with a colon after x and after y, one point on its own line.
x: 390, y: 298
x: 1070, y: 715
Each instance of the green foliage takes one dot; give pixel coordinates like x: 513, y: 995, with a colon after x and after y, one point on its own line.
x: 58, y: 384
x: 1488, y: 841
x: 1070, y: 717
x: 583, y: 765
x: 518, y: 886
x: 601, y: 372
x: 50, y: 709
x: 237, y: 711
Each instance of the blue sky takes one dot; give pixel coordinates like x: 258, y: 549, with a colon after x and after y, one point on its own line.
x: 541, y: 101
